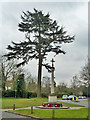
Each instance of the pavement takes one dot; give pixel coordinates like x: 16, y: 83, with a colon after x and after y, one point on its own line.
x: 19, y: 108
x: 6, y: 115
x: 10, y: 115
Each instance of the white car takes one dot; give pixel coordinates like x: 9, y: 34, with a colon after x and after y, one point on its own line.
x: 71, y: 97
x: 64, y: 97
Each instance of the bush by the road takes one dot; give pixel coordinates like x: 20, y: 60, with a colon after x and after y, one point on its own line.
x: 9, y: 93
x: 12, y: 93
x: 31, y: 94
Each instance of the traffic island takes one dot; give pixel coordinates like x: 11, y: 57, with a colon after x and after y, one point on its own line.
x: 41, y: 107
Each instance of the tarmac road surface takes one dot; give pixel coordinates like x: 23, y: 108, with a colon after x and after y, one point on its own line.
x: 12, y: 116
x: 82, y: 102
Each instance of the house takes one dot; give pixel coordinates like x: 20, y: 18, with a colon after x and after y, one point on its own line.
x: 9, y: 85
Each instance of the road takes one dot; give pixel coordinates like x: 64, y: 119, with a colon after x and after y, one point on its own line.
x: 82, y: 102
x: 12, y: 116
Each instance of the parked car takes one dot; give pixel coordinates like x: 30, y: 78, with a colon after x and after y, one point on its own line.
x: 72, y: 97
x: 64, y: 97
x: 82, y: 97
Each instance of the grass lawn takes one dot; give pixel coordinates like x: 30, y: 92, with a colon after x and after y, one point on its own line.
x: 43, y: 113
x: 88, y: 99
x: 21, y: 102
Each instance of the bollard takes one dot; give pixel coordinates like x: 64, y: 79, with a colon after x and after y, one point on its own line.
x: 31, y: 109
x: 14, y: 107
x: 53, y: 114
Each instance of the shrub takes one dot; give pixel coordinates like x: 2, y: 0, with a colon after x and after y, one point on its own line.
x: 9, y: 93
x: 60, y: 95
x: 23, y: 95
x: 44, y: 95
x: 12, y: 93
x: 31, y: 94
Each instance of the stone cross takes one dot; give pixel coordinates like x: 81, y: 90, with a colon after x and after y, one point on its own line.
x: 52, y: 98
x: 52, y: 76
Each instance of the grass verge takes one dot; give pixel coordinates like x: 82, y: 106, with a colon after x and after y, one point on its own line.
x: 71, y: 105
x: 45, y: 113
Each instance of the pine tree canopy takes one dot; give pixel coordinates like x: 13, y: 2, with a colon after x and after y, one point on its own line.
x: 43, y: 35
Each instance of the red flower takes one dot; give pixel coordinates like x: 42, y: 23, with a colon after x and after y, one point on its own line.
x: 43, y: 105
x: 57, y: 105
x: 61, y: 105
x: 49, y: 105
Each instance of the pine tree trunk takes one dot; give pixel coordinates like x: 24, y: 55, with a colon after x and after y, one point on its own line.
x: 39, y: 77
x: 39, y: 67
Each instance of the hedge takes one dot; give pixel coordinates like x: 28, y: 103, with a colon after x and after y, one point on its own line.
x: 12, y: 93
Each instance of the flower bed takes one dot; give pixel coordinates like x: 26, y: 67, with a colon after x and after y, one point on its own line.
x: 52, y: 105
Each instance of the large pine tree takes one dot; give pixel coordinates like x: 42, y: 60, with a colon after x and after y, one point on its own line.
x: 43, y: 35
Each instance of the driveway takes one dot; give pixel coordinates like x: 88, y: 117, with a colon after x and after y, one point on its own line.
x: 82, y: 102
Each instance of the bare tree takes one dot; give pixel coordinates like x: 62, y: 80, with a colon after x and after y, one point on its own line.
x: 9, y: 71
x: 6, y: 70
x: 46, y: 83
x: 31, y: 82
x: 85, y: 75
x: 75, y: 84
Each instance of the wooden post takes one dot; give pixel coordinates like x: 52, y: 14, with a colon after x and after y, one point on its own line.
x: 88, y: 117
x: 53, y: 114
x: 31, y: 109
x: 14, y: 107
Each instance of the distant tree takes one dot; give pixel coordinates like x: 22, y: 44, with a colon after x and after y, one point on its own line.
x: 9, y: 71
x: 85, y: 75
x: 85, y: 78
x: 20, y: 89
x: 31, y: 82
x: 30, y: 78
x: 43, y: 35
x: 75, y: 84
x: 62, y: 87
x: 46, y: 84
x: 6, y: 68
x: 16, y: 72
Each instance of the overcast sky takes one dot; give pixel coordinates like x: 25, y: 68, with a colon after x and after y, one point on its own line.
x: 71, y: 15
